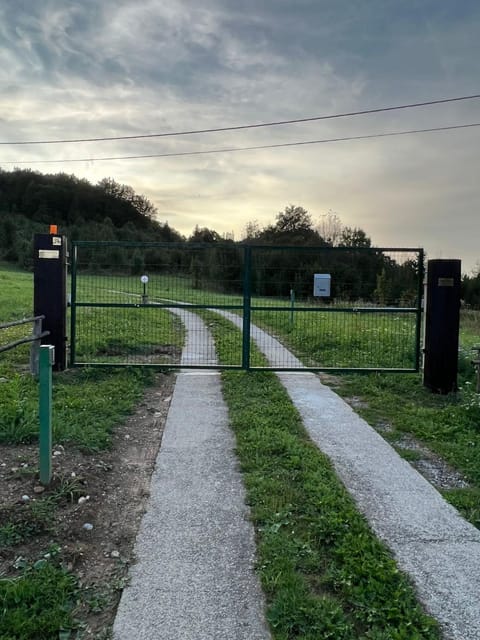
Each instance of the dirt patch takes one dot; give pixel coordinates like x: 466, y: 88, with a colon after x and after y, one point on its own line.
x: 356, y: 403
x: 330, y: 380
x: 91, y: 512
x: 440, y: 474
x: 383, y: 426
x: 431, y: 465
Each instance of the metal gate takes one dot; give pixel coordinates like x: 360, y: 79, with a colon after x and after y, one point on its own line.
x: 135, y: 304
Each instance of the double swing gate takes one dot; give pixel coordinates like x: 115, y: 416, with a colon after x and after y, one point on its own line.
x: 139, y: 304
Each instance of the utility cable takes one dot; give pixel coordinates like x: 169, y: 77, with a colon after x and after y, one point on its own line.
x: 247, y: 126
x: 253, y: 148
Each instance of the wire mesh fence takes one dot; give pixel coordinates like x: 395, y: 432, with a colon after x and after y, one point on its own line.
x: 130, y: 303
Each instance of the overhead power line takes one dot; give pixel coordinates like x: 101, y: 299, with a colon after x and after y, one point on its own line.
x: 246, y: 126
x: 252, y: 148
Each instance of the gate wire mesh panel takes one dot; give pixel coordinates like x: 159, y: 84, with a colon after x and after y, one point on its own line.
x: 120, y: 318
x: 370, y: 320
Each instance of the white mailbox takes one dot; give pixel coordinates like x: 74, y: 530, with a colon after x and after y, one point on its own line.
x: 321, y: 285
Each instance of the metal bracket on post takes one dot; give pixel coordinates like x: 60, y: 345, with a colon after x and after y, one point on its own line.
x: 47, y: 359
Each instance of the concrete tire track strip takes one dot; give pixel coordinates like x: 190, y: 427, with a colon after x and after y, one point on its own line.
x: 194, y: 577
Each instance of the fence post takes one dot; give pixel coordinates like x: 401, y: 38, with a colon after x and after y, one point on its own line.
x: 73, y: 308
x: 292, y: 307
x: 47, y: 359
x: 442, y: 320
x: 421, y: 288
x: 50, y: 291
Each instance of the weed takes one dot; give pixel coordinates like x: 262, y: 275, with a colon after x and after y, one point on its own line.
x: 18, y: 522
x: 96, y: 599
x: 467, y: 501
x: 69, y: 489
x: 38, y: 604
x: 409, y: 454
x: 12, y: 534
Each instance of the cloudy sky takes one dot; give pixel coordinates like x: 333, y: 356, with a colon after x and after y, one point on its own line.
x: 99, y: 68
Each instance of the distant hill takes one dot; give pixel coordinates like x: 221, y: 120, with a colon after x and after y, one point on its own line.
x: 30, y: 201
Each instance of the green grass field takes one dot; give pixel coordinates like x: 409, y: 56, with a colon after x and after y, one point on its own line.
x: 160, y: 288
x: 16, y: 289
x: 87, y: 403
x: 350, y: 340
x: 128, y: 335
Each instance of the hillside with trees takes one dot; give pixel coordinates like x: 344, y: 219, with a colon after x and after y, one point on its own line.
x: 30, y: 201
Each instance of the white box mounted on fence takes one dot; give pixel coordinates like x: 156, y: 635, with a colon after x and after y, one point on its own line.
x: 321, y: 285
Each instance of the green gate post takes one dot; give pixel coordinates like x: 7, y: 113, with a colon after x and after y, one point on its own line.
x: 247, y: 301
x: 47, y: 359
x: 73, y: 308
x: 420, y: 305
x: 292, y: 307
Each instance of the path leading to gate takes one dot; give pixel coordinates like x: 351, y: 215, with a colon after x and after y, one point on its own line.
x: 194, y: 577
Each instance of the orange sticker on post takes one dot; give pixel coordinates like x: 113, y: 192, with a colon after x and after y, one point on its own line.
x: 53, y: 229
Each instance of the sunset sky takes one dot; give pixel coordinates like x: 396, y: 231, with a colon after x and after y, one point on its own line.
x: 92, y: 68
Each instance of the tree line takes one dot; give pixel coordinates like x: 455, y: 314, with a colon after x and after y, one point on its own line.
x: 30, y: 201
x: 471, y: 289
x: 359, y: 272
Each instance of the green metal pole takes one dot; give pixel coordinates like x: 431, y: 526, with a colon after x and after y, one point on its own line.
x: 47, y: 358
x: 73, y: 307
x: 247, y: 301
x: 292, y: 306
x: 418, y: 315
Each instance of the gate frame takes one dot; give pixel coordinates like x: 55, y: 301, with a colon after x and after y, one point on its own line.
x: 247, y: 307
